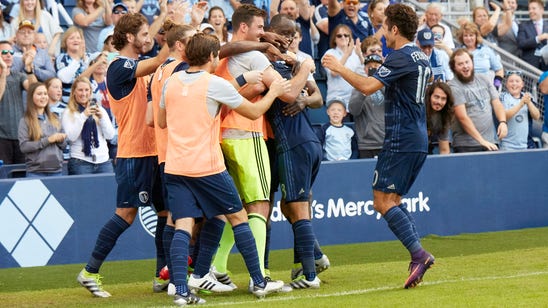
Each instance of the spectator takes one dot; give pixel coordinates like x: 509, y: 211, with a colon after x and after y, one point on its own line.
x: 12, y: 106
x: 439, y: 32
x: 439, y: 116
x: 300, y: 12
x: 543, y: 87
x: 43, y: 23
x: 55, y: 92
x: 375, y: 11
x: 321, y: 22
x: 519, y: 109
x: 294, y: 46
x: 485, y: 58
x: 87, y: 126
x: 509, y: 40
x: 488, y: 26
x: 343, y: 48
x: 6, y: 33
x: 150, y: 9
x: 40, y: 41
x: 476, y: 100
x: 338, y: 140
x: 371, y: 45
x: 40, y: 135
x: 368, y: 112
x: 92, y: 17
x: 216, y: 18
x: 439, y: 60
x: 533, y: 35
x: 433, y: 16
x: 118, y: 10
x: 27, y: 55
x: 73, y: 61
x: 346, y: 13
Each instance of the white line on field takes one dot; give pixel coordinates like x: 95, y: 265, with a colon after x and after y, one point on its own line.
x: 385, y: 288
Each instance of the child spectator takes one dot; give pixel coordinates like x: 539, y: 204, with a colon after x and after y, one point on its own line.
x: 55, y: 92
x: 338, y: 140
x: 519, y: 108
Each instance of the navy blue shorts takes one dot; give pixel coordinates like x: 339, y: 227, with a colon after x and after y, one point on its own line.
x: 159, y: 193
x: 134, y: 177
x: 297, y: 170
x: 396, y: 171
x: 207, y: 196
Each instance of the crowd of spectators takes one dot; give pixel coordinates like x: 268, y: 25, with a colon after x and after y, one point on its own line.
x: 35, y: 48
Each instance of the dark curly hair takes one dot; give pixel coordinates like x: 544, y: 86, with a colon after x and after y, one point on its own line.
x: 403, y: 17
x: 446, y: 113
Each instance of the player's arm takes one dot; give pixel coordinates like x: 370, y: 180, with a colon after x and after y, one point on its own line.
x: 254, y: 110
x: 312, y: 99
x: 366, y: 85
x: 234, y: 48
x: 148, y: 66
x: 333, y: 7
x: 470, y: 128
x: 297, y: 82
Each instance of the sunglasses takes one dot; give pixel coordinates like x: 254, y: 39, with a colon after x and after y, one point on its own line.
x: 343, y: 35
x: 508, y: 73
x: 119, y: 12
x: 5, y: 52
x: 352, y: 2
x: 372, y: 58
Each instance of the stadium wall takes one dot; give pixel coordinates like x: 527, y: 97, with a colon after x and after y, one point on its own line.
x: 56, y: 220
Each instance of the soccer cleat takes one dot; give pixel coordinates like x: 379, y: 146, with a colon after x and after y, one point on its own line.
x: 322, y: 264
x: 93, y: 283
x: 223, y: 278
x: 171, y: 290
x: 159, y: 285
x: 190, y: 299
x: 271, y: 287
x: 208, y: 283
x: 301, y: 283
x: 417, y: 270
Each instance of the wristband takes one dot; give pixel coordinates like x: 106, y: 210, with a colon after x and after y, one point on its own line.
x: 500, y: 122
x: 29, y: 73
x: 241, y: 80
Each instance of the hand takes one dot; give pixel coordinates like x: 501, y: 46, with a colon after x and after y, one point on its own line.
x: 358, y: 47
x: 489, y: 146
x: 3, y: 66
x: 280, y: 86
x: 57, y: 137
x: 293, y: 109
x: 97, y: 111
x: 198, y: 12
x: 275, y: 39
x: 272, y: 52
x: 309, y: 65
x: 502, y: 130
x: 253, y: 76
x: 494, y: 6
x: 332, y: 63
x: 28, y: 56
x: 526, y: 99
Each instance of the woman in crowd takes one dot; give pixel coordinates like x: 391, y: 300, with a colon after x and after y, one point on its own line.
x: 73, y: 61
x: 217, y: 19
x: 342, y: 47
x: 87, y: 126
x: 40, y: 136
x: 6, y: 33
x: 43, y: 23
x: 439, y: 116
x: 92, y: 16
x: 519, y: 110
x: 485, y: 58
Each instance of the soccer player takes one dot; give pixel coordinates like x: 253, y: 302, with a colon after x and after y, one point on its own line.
x: 405, y: 73
x: 195, y: 173
x: 136, y: 157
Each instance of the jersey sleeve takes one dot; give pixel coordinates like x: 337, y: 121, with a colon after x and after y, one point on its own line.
x: 121, y: 77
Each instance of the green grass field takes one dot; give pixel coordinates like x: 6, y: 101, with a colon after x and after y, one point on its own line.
x: 500, y: 269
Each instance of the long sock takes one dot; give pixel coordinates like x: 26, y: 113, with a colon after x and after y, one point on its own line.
x: 106, y: 240
x: 411, y: 219
x: 401, y: 226
x: 296, y: 257
x: 246, y: 245
x: 225, y: 246
x: 318, y: 253
x: 267, y: 245
x: 179, y: 255
x: 257, y: 224
x: 304, y: 245
x: 159, y: 241
x: 209, y: 241
x: 168, y: 238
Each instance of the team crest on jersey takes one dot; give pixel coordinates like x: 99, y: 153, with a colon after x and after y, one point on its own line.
x: 129, y: 64
x: 143, y: 197
x: 383, y: 72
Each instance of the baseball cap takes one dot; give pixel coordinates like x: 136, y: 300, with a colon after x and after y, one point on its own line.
x: 426, y: 37
x: 372, y: 58
x: 206, y: 26
x: 119, y: 5
x: 26, y: 23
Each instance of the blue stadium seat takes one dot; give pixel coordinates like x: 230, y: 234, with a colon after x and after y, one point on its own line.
x: 318, y: 116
